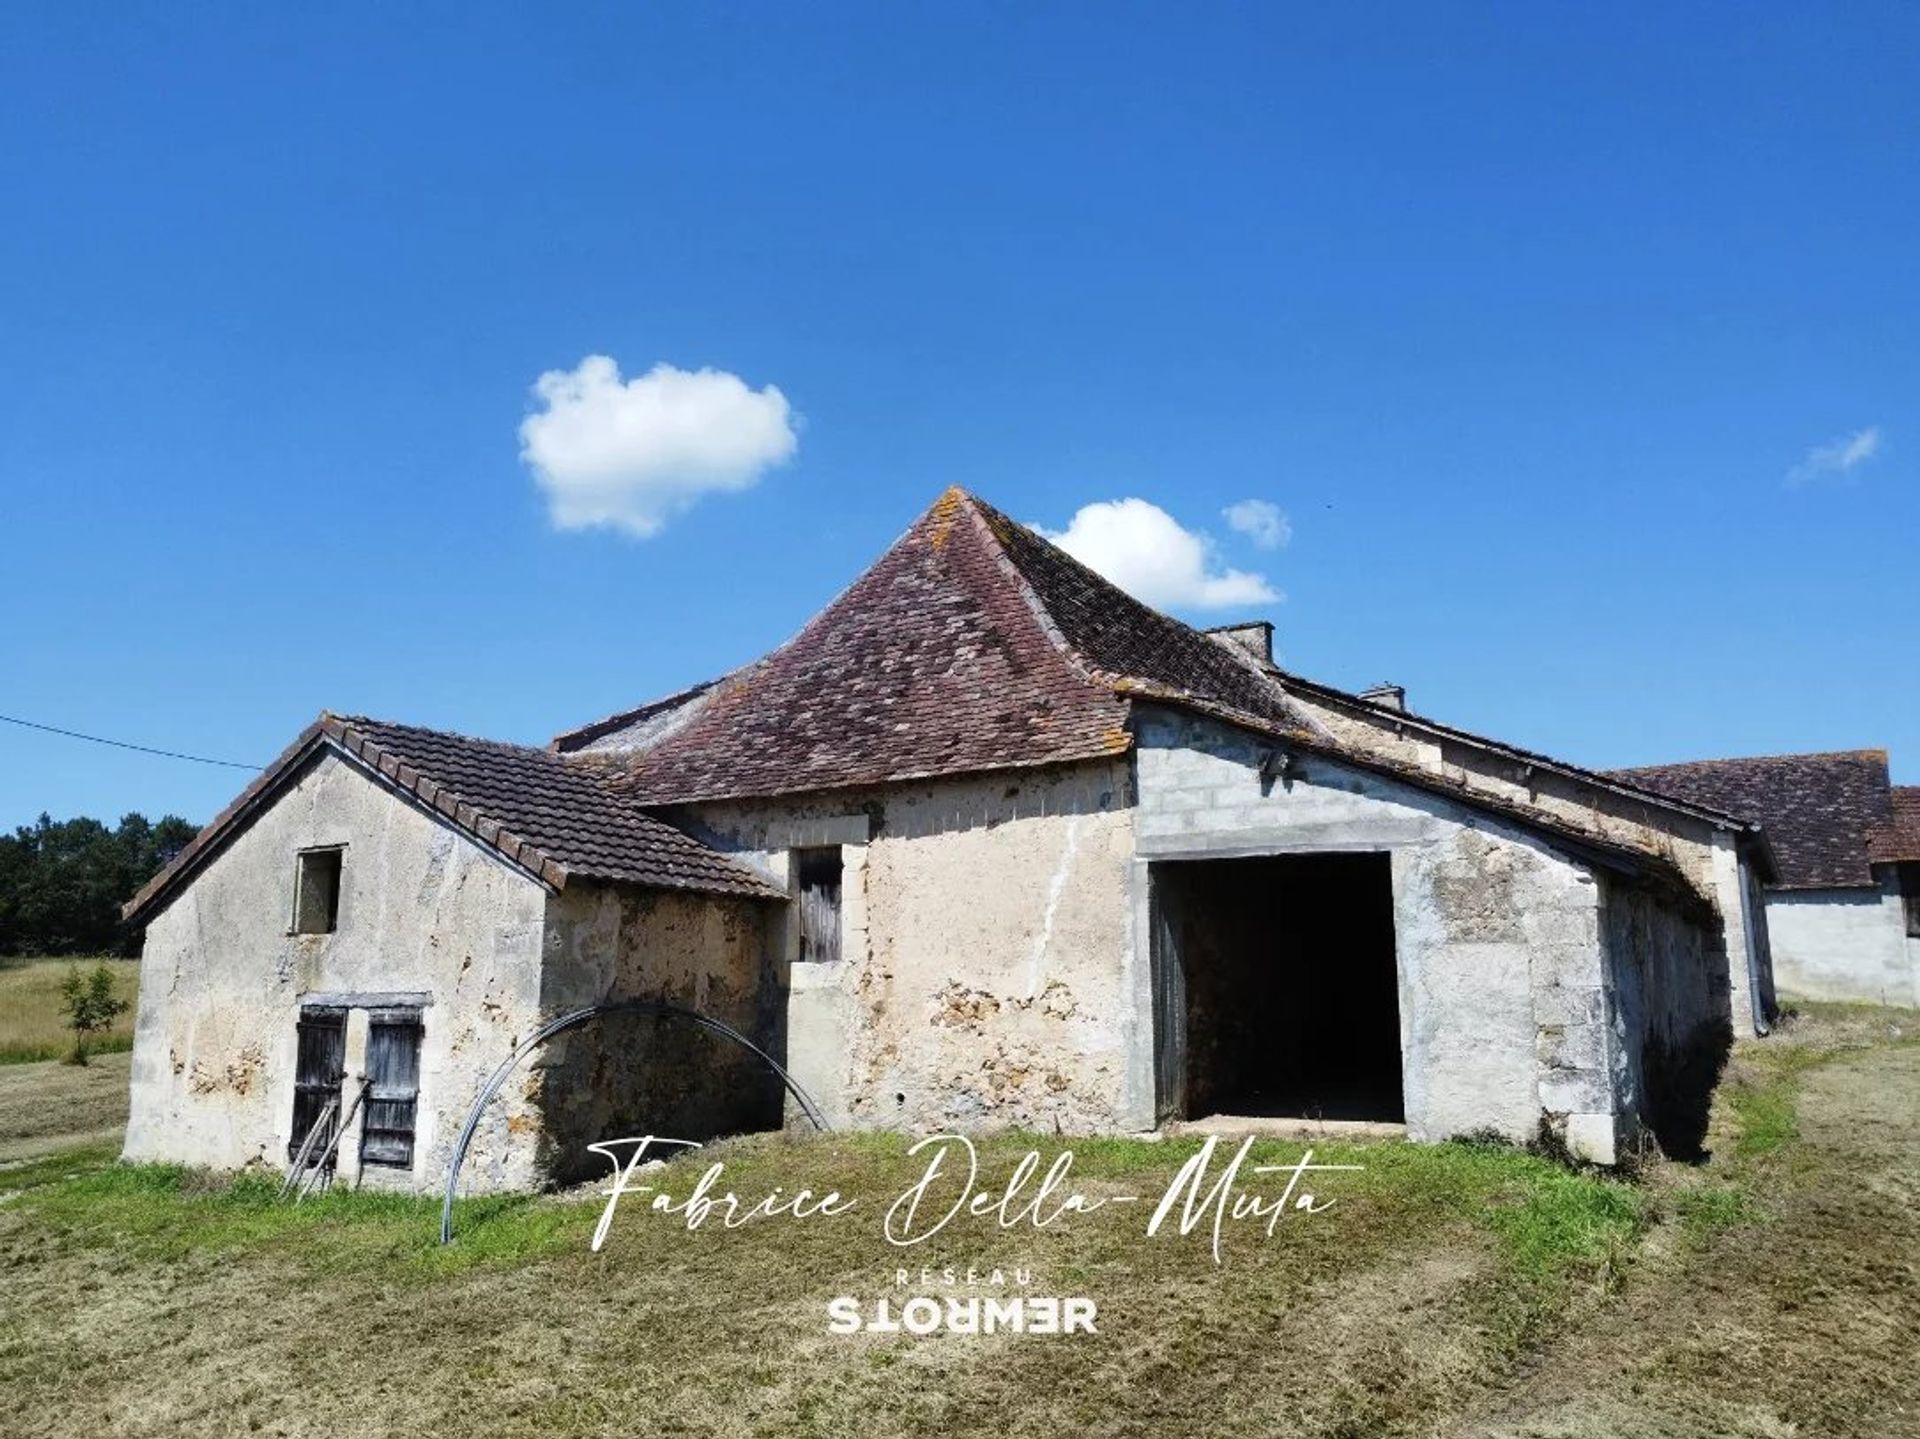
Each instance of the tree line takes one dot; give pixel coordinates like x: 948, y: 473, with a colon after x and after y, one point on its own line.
x: 62, y: 882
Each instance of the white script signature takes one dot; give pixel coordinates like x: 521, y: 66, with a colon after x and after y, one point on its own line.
x: 950, y: 1186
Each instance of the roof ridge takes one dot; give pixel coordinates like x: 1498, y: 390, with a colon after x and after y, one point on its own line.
x: 984, y: 515
x: 1139, y: 618
x: 485, y: 825
x: 1586, y: 774
x: 505, y: 744
x: 940, y: 657
x: 993, y: 519
x: 596, y: 729
x: 1873, y: 753
x: 619, y: 719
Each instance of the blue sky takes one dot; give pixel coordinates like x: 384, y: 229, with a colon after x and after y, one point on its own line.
x: 1528, y: 318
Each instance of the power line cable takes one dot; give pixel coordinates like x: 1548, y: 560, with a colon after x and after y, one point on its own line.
x: 123, y: 744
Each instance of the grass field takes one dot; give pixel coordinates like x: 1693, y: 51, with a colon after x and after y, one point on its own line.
x: 1454, y: 1289
x: 32, y: 1027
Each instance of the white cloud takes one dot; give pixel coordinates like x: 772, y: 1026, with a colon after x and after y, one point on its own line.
x: 1261, y: 521
x: 1837, y: 458
x: 1145, y: 551
x: 633, y: 454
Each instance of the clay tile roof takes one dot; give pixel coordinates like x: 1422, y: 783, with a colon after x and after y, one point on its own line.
x: 971, y: 645
x: 553, y: 817
x: 1125, y: 643
x: 1898, y: 840
x: 1818, y: 810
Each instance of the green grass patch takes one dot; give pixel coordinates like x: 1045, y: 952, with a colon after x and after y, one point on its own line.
x: 1710, y: 1209
x: 1433, y: 1264
x: 1546, y: 1221
x: 1762, y: 1093
x: 56, y: 1168
x: 1547, y: 1218
x: 40, y: 1053
x: 163, y: 1212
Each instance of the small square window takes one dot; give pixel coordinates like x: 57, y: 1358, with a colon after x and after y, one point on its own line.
x: 316, y: 891
x: 817, y: 877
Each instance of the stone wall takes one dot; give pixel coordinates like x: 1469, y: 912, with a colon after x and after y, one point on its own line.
x: 1708, y: 857
x: 987, y: 972
x: 1844, y: 944
x: 422, y: 910
x: 626, y: 1075
x: 1504, y: 1006
x: 1671, y: 1011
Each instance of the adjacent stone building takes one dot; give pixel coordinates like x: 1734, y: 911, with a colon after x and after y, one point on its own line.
x: 1844, y: 911
x: 987, y: 843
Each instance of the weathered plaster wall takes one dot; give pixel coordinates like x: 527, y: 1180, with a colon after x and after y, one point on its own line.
x: 1504, y: 1010
x: 1844, y: 944
x: 421, y: 909
x: 630, y: 1075
x: 987, y: 971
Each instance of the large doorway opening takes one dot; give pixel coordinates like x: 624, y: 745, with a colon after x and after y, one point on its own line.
x: 1276, y: 991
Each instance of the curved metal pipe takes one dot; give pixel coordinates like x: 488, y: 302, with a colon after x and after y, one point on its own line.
x: 572, y: 1021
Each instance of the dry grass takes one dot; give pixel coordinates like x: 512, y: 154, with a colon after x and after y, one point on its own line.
x: 1451, y: 1289
x: 47, y: 1107
x: 1783, y: 1297
x: 32, y: 1026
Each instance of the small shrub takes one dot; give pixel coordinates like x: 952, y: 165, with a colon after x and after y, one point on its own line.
x: 90, y: 1007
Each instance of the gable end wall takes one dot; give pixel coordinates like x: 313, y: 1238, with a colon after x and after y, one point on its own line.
x: 422, y: 910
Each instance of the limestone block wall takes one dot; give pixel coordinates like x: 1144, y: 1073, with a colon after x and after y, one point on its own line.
x: 422, y: 910
x: 1706, y: 856
x: 1687, y: 843
x: 628, y: 1075
x: 1504, y: 1007
x: 1844, y: 944
x: 987, y: 974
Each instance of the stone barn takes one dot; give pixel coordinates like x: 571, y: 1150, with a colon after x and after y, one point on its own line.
x: 1844, y: 909
x: 986, y: 843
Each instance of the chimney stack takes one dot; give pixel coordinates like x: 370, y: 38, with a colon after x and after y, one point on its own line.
x: 1393, y: 697
x: 1254, y: 636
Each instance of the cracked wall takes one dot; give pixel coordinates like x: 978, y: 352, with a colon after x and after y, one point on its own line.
x: 987, y: 973
x: 422, y: 911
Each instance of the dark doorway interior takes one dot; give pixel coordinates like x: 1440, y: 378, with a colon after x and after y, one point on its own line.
x: 1285, y: 999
